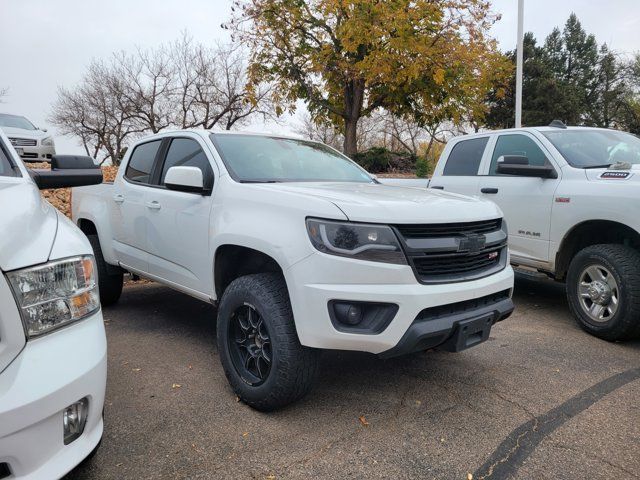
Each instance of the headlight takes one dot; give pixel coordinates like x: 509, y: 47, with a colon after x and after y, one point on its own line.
x: 376, y: 243
x: 55, y: 294
x: 47, y: 142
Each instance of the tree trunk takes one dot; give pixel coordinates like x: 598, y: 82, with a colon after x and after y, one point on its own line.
x: 353, y: 100
x: 350, y: 147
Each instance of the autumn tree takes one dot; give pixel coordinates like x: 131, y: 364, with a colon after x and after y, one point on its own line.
x: 347, y: 58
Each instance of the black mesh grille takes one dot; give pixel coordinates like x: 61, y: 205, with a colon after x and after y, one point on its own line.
x: 456, y: 263
x: 449, y: 229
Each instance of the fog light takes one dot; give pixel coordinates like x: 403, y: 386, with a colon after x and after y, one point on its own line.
x: 348, y: 313
x: 74, y: 418
x: 367, y: 318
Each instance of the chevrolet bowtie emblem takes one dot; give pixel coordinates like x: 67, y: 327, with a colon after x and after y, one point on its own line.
x: 472, y: 243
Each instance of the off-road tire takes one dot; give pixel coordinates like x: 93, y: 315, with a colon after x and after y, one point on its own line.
x: 624, y: 264
x: 294, y: 367
x: 109, y: 284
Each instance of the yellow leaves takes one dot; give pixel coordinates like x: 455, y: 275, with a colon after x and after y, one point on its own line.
x: 363, y: 421
x: 419, y: 52
x: 176, y: 385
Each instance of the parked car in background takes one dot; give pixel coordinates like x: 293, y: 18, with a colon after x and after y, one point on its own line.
x: 31, y: 143
x: 52, y: 340
x: 570, y: 196
x: 302, y: 249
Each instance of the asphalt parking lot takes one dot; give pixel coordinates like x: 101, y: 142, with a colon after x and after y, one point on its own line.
x: 541, y: 399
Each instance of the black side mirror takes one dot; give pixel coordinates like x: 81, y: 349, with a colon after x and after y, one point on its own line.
x: 68, y: 171
x: 519, y: 165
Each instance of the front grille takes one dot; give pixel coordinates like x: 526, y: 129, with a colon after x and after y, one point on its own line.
x: 451, y: 309
x: 23, y: 142
x: 449, y: 229
x: 456, y: 263
x: 29, y: 155
x: 454, y: 252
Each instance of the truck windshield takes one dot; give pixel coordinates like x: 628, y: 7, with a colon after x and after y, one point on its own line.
x: 15, y: 121
x: 595, y: 148
x: 256, y: 158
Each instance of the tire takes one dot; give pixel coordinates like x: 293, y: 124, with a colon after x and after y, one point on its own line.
x: 109, y: 284
x: 606, y: 320
x: 280, y: 370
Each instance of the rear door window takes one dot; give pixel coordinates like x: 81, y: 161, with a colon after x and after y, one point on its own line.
x: 465, y: 157
x: 141, y: 162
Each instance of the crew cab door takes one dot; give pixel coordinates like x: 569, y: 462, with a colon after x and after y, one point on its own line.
x: 178, y: 222
x: 458, y: 172
x: 525, y: 201
x: 127, y: 206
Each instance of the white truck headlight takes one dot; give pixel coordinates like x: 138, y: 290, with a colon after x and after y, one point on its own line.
x: 376, y: 243
x: 55, y: 294
x: 47, y: 142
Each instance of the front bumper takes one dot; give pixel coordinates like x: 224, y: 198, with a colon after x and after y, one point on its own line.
x: 51, y: 373
x: 337, y: 278
x: 38, y: 153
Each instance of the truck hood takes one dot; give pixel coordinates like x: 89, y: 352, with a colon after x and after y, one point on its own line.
x: 22, y: 133
x: 28, y: 225
x: 377, y: 203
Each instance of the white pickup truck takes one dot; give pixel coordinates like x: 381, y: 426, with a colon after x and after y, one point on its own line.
x: 302, y: 249
x: 570, y: 197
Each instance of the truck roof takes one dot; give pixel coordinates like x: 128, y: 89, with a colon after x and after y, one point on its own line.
x: 203, y: 131
x: 546, y: 128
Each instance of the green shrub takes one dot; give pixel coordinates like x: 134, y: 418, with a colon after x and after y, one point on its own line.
x: 374, y: 160
x: 423, y: 168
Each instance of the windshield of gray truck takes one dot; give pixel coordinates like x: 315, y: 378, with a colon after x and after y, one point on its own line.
x: 595, y: 148
x: 255, y: 158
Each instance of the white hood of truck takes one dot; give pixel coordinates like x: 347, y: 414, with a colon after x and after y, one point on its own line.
x: 28, y: 225
x: 377, y: 203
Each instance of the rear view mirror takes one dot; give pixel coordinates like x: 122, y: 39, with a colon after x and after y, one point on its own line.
x: 519, y: 165
x: 68, y: 171
x: 184, y: 179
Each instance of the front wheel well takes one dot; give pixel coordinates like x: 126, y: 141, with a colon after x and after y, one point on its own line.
x: 234, y: 261
x: 589, y: 233
x: 87, y: 227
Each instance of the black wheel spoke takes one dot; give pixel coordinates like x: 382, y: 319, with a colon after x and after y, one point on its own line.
x: 250, y: 345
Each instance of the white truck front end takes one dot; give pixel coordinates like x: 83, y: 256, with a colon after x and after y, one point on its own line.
x: 53, y: 361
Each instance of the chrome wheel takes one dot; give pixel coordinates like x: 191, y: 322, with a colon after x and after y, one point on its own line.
x: 250, y: 345
x: 598, y: 293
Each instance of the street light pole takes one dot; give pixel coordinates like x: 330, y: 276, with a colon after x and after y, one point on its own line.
x: 519, y: 64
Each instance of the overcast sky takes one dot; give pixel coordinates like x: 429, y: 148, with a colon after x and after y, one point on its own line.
x: 47, y: 43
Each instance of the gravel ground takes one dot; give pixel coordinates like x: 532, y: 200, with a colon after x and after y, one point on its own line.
x: 541, y: 399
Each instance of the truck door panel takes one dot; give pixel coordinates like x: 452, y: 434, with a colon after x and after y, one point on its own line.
x: 178, y: 223
x: 525, y: 201
x: 127, y: 207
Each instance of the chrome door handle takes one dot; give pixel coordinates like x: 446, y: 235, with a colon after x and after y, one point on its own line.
x: 118, y: 198
x: 153, y: 205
